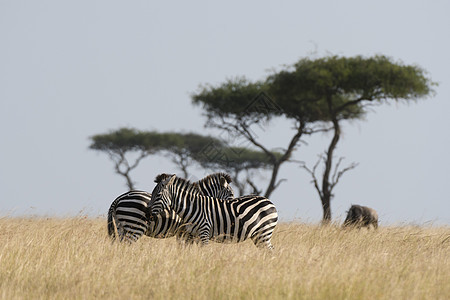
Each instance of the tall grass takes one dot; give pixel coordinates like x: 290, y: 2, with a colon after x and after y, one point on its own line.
x: 73, y: 258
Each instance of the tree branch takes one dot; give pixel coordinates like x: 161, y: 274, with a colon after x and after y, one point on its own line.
x: 279, y: 182
x: 243, y: 129
x: 338, y: 174
x: 356, y: 101
x: 313, y: 175
x: 143, y: 155
x: 256, y: 191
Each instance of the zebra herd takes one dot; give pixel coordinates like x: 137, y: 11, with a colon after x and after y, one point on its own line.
x: 200, y: 211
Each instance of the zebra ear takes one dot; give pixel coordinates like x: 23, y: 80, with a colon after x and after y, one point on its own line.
x: 223, y: 181
x: 162, y: 177
x: 227, y: 177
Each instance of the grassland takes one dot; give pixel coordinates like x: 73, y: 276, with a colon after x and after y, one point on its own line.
x: 73, y: 258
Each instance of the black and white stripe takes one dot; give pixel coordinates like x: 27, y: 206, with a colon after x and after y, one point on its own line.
x: 216, y: 185
x: 236, y: 220
x: 128, y: 216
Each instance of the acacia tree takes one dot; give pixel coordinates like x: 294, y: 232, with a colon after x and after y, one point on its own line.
x: 121, y: 144
x: 317, y: 95
x: 343, y: 88
x: 126, y: 147
x: 238, y: 105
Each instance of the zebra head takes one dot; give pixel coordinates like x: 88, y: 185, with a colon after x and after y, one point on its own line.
x: 159, y: 194
x: 216, y: 185
x: 166, y: 191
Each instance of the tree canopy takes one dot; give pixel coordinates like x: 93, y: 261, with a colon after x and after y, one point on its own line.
x: 184, y: 149
x: 126, y: 139
x: 347, y: 81
x: 230, y: 99
x: 121, y: 144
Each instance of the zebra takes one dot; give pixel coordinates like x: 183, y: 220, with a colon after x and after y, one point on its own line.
x: 129, y: 218
x: 210, y: 218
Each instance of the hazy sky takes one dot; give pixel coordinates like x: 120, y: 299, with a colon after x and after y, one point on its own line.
x: 72, y: 69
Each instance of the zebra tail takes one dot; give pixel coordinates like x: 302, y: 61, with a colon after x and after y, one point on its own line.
x: 112, y: 223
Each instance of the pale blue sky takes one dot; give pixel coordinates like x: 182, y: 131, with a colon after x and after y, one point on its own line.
x: 72, y: 69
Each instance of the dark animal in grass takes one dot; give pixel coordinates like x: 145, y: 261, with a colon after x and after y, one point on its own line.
x: 361, y: 216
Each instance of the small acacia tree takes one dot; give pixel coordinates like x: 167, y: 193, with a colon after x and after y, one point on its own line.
x: 126, y: 147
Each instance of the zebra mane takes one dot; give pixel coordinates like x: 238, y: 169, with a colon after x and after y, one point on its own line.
x: 185, y: 183
x: 162, y: 177
x: 219, y: 174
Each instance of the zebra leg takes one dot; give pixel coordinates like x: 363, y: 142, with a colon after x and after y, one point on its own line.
x: 189, y: 239
x: 185, y: 234
x: 204, y: 238
x: 116, y: 228
x: 128, y: 231
x: 263, y: 241
x: 185, y: 238
x: 204, y: 235
x: 131, y: 235
x: 263, y: 244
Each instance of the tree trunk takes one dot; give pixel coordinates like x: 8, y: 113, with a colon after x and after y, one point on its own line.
x: 126, y: 174
x: 184, y: 170
x: 240, y: 186
x: 277, y: 163
x: 326, y: 211
x: 326, y: 186
x: 271, y: 187
x: 129, y: 181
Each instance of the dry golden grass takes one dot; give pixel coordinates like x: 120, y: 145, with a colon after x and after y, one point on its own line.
x: 74, y: 259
